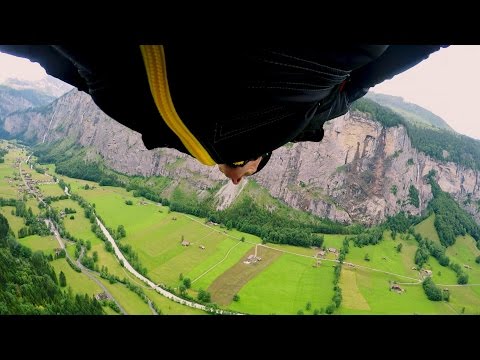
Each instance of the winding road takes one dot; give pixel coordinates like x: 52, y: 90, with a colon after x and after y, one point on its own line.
x: 157, y: 288
x: 54, y: 230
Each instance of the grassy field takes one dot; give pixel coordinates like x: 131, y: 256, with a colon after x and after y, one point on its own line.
x: 109, y: 311
x: 384, y: 256
x: 156, y: 235
x: 80, y: 283
x: 33, y: 203
x: 352, y: 298
x: 463, y: 253
x: 175, y: 258
x: 43, y: 243
x: 8, y: 186
x: 333, y: 240
x: 71, y: 250
x: 286, y: 286
x: 227, y: 254
x: 109, y: 260
x: 427, y: 229
x: 295, y: 249
x: 51, y: 190
x: 15, y: 222
x: 374, y: 290
x: 80, y: 227
x: 232, y: 281
x: 130, y: 301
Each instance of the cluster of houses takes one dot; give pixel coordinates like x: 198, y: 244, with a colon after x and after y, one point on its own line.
x: 322, y: 253
x: 32, y: 184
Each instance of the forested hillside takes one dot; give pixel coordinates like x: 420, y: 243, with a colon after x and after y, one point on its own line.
x: 29, y: 285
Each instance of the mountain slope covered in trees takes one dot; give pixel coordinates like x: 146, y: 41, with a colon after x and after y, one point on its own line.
x: 29, y: 284
x: 412, y: 112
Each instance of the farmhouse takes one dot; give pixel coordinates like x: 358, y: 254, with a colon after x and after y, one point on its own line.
x: 185, y: 243
x: 426, y: 272
x: 396, y: 288
x: 101, y: 296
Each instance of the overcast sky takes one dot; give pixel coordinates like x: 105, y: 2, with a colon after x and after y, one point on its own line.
x: 12, y: 66
x: 447, y: 83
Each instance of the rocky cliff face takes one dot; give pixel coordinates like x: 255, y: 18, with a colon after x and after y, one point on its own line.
x: 348, y: 176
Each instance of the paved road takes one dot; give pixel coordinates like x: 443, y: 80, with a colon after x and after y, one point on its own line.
x: 157, y: 288
x: 52, y: 228
x: 90, y: 273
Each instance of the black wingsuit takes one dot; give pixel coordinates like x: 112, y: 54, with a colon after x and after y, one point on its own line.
x: 223, y: 104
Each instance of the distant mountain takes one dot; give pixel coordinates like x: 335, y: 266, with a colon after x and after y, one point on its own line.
x: 20, y: 94
x: 12, y: 100
x: 412, y: 112
x: 48, y: 85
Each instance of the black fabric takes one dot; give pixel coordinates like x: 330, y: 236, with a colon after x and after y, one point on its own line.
x: 239, y: 103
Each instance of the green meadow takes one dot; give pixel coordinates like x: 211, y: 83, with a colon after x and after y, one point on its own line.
x: 51, y: 190
x: 286, y: 286
x: 427, y: 229
x: 372, y: 291
x: 384, y: 256
x: 131, y: 302
x: 47, y: 244
x: 15, y: 222
x: 79, y: 283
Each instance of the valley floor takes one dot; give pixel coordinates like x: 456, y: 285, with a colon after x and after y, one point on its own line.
x: 239, y: 272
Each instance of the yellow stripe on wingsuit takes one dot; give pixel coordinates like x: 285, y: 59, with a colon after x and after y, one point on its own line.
x: 154, y: 60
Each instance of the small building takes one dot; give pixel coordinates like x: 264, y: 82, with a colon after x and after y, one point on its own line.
x: 185, y: 243
x: 57, y: 251
x: 250, y: 257
x: 396, y: 288
x: 427, y: 272
x: 202, y: 247
x: 321, y: 253
x: 467, y: 266
x: 101, y: 296
x: 332, y: 250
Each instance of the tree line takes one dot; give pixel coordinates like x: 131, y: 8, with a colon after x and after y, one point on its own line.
x: 29, y: 285
x: 450, y: 219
